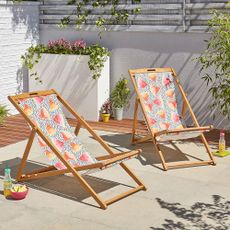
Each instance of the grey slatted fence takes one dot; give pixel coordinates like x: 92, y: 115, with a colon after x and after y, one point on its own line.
x: 156, y: 15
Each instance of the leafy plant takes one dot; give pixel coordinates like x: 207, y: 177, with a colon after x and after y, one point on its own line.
x: 107, y: 107
x: 120, y: 94
x: 83, y: 11
x: 3, y: 113
x: 217, y: 58
x: 97, y: 54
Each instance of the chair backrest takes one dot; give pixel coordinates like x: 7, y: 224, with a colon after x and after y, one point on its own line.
x: 46, y: 113
x: 156, y: 91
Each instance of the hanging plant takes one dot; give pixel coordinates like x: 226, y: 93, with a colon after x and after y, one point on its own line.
x: 217, y: 57
x: 97, y: 54
x: 83, y: 12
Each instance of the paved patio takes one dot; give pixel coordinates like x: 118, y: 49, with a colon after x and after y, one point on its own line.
x: 188, y: 198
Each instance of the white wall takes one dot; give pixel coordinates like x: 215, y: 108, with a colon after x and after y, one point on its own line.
x: 19, y: 28
x: 152, y: 49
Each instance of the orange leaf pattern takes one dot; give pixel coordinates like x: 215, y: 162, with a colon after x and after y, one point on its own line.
x: 46, y: 113
x: 157, y: 92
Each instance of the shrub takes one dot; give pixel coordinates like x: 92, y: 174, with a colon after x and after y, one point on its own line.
x: 217, y: 56
x: 3, y: 113
x: 120, y: 94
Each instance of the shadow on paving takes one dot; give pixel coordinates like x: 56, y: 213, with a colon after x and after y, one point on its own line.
x: 205, y: 216
x: 63, y: 186
x: 148, y: 156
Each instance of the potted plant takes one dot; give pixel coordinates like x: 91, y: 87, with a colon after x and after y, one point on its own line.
x: 106, y: 110
x: 120, y: 97
x: 3, y: 114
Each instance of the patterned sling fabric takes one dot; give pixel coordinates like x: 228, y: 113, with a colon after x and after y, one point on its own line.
x: 157, y: 92
x: 46, y: 113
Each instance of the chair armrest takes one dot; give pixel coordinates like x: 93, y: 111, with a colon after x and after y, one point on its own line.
x: 120, y: 157
x: 202, y: 128
x: 161, y: 132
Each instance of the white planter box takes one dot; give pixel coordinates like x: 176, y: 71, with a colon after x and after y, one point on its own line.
x: 70, y: 76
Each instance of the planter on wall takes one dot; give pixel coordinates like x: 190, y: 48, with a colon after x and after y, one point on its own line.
x: 70, y: 76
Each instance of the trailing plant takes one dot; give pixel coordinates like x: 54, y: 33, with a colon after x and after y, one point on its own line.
x: 97, y: 54
x: 3, y: 113
x: 83, y: 11
x: 217, y: 57
x: 120, y: 94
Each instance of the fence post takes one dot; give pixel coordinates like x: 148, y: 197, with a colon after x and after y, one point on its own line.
x: 184, y: 15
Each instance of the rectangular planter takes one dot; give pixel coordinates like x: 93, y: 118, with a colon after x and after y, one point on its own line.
x: 70, y: 76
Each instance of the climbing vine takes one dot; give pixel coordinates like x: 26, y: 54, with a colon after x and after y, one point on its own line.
x: 115, y: 13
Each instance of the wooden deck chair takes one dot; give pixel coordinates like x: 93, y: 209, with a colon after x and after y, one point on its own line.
x: 42, y: 110
x: 155, y: 91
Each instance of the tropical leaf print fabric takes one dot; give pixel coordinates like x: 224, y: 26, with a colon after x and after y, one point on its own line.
x: 47, y: 115
x: 157, y: 92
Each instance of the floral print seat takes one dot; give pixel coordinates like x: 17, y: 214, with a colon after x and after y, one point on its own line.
x: 47, y: 115
x: 157, y: 93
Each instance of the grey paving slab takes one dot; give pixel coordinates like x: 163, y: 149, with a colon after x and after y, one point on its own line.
x: 189, y: 198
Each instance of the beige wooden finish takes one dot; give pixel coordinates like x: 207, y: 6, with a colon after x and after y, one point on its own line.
x: 52, y: 171
x: 152, y: 135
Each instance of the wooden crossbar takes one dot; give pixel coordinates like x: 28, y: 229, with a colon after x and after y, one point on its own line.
x: 52, y: 171
x: 181, y: 165
x: 125, y: 194
x: 153, y: 134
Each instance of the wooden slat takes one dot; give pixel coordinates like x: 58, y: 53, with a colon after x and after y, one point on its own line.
x: 159, y: 17
x: 143, y: 7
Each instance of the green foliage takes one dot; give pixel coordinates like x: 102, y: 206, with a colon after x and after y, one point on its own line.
x: 217, y: 58
x: 97, y: 54
x: 120, y: 94
x: 106, y: 108
x: 3, y: 113
x: 82, y: 13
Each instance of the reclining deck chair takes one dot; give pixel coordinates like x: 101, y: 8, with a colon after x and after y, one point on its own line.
x: 155, y: 91
x: 61, y: 145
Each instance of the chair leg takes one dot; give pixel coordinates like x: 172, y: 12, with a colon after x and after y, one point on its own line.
x: 25, y: 155
x: 207, y: 148
x: 131, y: 174
x: 140, y: 186
x: 167, y: 166
x: 158, y: 150
x: 77, y: 129
x: 134, y: 120
x: 89, y: 189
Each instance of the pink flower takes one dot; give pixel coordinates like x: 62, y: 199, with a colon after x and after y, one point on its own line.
x: 166, y: 81
x: 59, y: 43
x: 79, y: 44
x: 62, y: 44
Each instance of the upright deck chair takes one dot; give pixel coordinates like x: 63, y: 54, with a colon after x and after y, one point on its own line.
x: 42, y: 110
x: 155, y: 91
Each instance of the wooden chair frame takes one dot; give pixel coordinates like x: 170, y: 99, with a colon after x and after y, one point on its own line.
x: 152, y: 135
x: 52, y: 171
